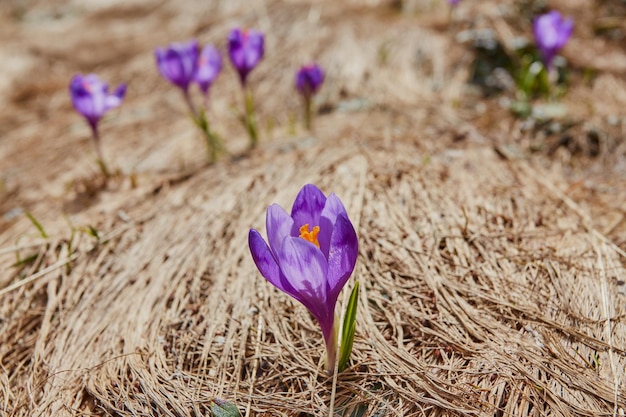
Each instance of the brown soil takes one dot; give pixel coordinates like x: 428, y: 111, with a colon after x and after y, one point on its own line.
x: 492, y: 248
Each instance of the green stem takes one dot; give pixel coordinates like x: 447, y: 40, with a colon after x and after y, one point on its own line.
x: 553, y: 80
x: 331, y: 349
x: 308, y: 112
x: 190, y: 104
x: 250, y: 119
x: 200, y: 118
x: 214, y: 145
x: 100, y: 161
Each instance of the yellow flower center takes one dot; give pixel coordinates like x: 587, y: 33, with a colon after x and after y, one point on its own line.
x: 310, y: 236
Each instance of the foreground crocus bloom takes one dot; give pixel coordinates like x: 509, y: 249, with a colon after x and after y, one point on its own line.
x: 178, y: 63
x: 309, y: 79
x: 310, y: 256
x: 245, y: 49
x: 91, y: 98
x: 552, y: 32
x: 209, y: 67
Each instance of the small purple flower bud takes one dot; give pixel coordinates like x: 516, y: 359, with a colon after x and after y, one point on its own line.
x: 309, y: 254
x: 209, y: 67
x: 245, y: 49
x: 178, y: 63
x: 551, y: 34
x: 91, y: 98
x: 309, y: 79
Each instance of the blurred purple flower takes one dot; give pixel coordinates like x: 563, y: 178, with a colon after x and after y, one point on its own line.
x: 454, y: 2
x: 178, y: 63
x: 552, y: 32
x: 310, y: 256
x: 91, y: 98
x: 209, y: 67
x: 309, y: 79
x: 245, y: 49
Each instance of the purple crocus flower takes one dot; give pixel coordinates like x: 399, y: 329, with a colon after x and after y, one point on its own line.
x: 552, y: 32
x: 454, y: 2
x: 309, y: 79
x: 310, y: 256
x: 245, y: 49
x: 91, y: 98
x: 209, y: 67
x: 178, y: 63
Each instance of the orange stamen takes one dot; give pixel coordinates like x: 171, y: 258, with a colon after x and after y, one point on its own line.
x: 310, y: 236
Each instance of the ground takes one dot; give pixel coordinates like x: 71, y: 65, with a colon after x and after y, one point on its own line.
x: 491, y: 246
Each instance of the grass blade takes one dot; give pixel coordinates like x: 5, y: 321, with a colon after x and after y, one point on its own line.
x: 349, y: 328
x: 38, y: 225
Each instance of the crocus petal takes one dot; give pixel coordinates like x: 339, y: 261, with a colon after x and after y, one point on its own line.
x: 115, y: 99
x: 171, y: 67
x: 333, y: 208
x: 95, y: 85
x: 93, y: 97
x: 235, y: 49
x: 111, y: 102
x: 255, y: 48
x: 264, y: 259
x: 547, y: 31
x: 278, y: 224
x: 178, y: 63
x: 307, y: 208
x: 305, y: 268
x: 83, y: 102
x: 309, y: 79
x: 75, y: 83
x: 209, y: 67
x: 567, y: 27
x: 245, y: 49
x: 551, y: 32
x: 90, y: 97
x: 268, y: 266
x: 342, y: 255
x: 120, y: 91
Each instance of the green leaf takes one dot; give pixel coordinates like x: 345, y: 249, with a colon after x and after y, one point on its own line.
x: 25, y: 261
x: 38, y: 225
x: 92, y: 231
x: 348, y: 330
x: 221, y: 408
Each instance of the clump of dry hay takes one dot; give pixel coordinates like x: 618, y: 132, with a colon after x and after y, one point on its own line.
x: 482, y: 293
x: 484, y: 289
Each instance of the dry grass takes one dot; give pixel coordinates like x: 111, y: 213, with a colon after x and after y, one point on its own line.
x: 486, y: 289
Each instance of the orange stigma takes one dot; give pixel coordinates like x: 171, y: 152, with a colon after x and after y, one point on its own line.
x: 310, y: 236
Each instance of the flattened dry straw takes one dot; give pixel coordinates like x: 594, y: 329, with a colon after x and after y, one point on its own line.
x: 481, y: 294
x: 483, y: 289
